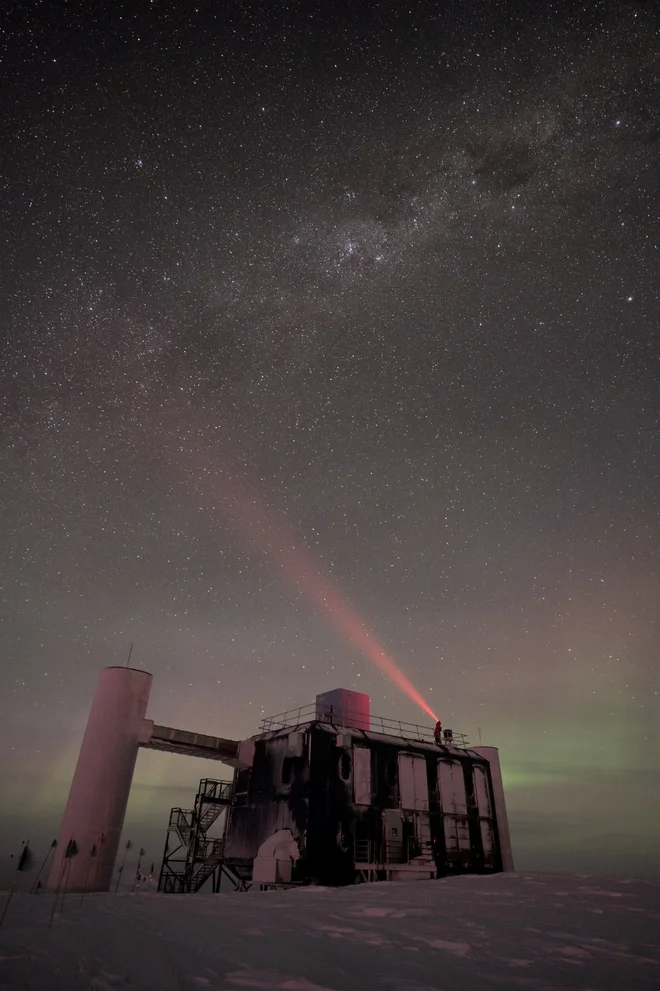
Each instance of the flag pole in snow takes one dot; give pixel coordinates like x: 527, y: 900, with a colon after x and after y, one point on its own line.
x: 35, y: 886
x: 123, y: 864
x: 96, y: 870
x: 24, y: 864
x: 67, y: 874
x: 136, y: 882
x: 71, y: 851
x: 92, y: 854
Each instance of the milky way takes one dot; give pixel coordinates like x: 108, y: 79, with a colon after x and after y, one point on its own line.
x: 397, y: 273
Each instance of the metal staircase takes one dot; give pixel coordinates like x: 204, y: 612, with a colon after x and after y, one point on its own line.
x: 191, y: 857
x: 212, y: 798
x: 182, y: 820
x: 211, y: 860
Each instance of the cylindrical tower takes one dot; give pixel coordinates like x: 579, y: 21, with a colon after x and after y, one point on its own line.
x: 492, y: 756
x: 96, y: 806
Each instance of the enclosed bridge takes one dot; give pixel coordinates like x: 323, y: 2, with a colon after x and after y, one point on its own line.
x: 326, y: 794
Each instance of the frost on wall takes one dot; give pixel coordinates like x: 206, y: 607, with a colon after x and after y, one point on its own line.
x: 482, y: 792
x: 413, y: 783
x: 362, y: 775
x: 275, y: 859
x: 451, y: 785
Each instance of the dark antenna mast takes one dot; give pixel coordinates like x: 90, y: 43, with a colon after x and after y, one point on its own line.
x: 128, y: 660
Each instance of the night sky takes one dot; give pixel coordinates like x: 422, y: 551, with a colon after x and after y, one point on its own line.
x: 351, y: 295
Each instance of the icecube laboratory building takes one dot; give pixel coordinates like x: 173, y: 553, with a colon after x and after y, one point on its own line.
x: 326, y: 794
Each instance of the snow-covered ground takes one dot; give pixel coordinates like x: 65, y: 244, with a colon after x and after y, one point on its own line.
x: 527, y: 931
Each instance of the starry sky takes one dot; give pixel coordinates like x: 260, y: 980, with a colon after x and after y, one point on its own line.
x: 369, y: 285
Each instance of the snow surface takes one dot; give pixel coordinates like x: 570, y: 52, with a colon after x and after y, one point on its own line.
x: 508, y: 931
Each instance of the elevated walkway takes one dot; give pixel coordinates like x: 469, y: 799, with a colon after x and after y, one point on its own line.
x: 180, y: 741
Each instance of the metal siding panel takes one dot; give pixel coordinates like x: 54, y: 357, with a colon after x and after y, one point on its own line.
x: 296, y: 744
x: 362, y: 775
x: 452, y: 787
x: 457, y: 840
x: 421, y: 784
x: 451, y: 841
x: 463, y: 831
x: 413, y: 783
x: 482, y: 792
x: 488, y: 841
x: 499, y: 804
x: 406, y: 781
x: 422, y: 828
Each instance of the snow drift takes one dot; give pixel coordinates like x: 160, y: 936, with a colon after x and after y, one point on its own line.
x: 506, y: 931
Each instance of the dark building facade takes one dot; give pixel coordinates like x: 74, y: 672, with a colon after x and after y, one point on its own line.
x: 361, y: 806
x: 333, y: 796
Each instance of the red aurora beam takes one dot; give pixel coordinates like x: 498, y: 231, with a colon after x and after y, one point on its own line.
x: 267, y: 532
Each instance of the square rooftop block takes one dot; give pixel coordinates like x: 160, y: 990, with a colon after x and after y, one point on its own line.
x: 345, y: 708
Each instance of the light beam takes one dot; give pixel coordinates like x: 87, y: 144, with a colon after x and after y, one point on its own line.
x: 269, y: 533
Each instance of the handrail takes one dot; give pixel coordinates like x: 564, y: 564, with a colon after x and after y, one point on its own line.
x: 377, y: 724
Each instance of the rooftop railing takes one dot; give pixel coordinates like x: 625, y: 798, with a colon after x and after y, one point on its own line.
x: 377, y: 724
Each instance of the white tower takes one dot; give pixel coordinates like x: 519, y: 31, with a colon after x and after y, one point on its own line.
x: 96, y: 806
